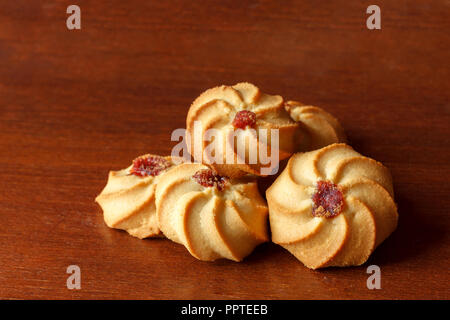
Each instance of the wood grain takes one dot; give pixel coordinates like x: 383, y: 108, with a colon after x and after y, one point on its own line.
x: 76, y: 104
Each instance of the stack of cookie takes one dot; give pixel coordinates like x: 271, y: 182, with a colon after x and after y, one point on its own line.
x: 330, y: 206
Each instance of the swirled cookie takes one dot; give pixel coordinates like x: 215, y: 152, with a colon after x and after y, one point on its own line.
x: 212, y: 216
x: 238, y: 113
x: 332, y: 207
x: 128, y: 199
x: 317, y: 128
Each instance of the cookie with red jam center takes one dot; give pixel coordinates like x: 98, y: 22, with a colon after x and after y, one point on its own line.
x: 128, y: 199
x: 332, y: 207
x: 213, y: 216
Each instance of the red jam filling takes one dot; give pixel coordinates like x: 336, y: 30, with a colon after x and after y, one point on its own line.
x: 208, y: 178
x: 328, y: 200
x: 149, y: 166
x: 244, y: 118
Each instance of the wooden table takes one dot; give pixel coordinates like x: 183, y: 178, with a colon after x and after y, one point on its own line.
x: 76, y: 104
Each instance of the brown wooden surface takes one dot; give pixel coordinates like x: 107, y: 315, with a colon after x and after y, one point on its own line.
x: 75, y: 104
